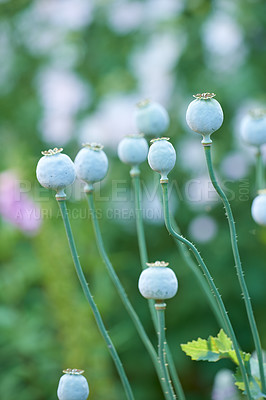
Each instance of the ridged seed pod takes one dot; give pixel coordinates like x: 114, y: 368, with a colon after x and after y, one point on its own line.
x: 158, y: 282
x: 253, y: 128
x: 258, y: 208
x: 73, y: 386
x: 162, y: 156
x: 55, y: 170
x: 152, y: 118
x: 133, y: 149
x: 204, y: 115
x: 91, y: 163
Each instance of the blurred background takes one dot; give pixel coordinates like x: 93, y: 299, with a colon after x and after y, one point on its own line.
x: 72, y: 71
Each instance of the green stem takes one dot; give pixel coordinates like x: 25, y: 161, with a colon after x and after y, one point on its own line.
x: 192, y: 265
x: 140, y: 233
x: 132, y: 313
x: 86, y: 290
x: 186, y: 255
x: 240, y: 273
x: 259, y: 170
x: 139, y: 221
x: 135, y: 174
x: 160, y: 307
x: 211, y: 284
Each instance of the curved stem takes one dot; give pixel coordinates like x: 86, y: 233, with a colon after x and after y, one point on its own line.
x: 135, y: 319
x: 186, y: 255
x: 86, y: 290
x: 240, y: 273
x: 206, y: 289
x: 211, y: 284
x: 259, y: 170
x: 160, y: 307
x: 144, y: 259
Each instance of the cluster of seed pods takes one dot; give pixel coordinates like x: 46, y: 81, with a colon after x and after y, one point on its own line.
x: 56, y: 171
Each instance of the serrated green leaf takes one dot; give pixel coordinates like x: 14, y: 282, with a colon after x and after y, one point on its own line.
x: 201, y: 350
x: 212, y: 349
x: 223, y: 342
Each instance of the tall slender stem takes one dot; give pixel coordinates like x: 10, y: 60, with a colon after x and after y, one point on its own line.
x: 259, y: 170
x: 135, y: 174
x: 194, y: 268
x: 140, y: 233
x: 211, y: 284
x: 86, y: 290
x: 160, y: 307
x: 120, y: 289
x: 186, y: 255
x: 139, y: 220
x: 240, y: 273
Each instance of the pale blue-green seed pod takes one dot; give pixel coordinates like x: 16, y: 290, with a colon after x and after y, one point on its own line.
x: 162, y: 157
x: 204, y: 115
x: 253, y: 128
x: 91, y: 163
x: 133, y: 150
x: 258, y: 208
x: 224, y: 387
x: 158, y: 282
x: 152, y: 118
x: 55, y: 171
x: 73, y: 386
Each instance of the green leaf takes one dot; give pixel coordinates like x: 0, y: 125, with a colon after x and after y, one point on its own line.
x: 201, y: 350
x: 213, y: 349
x: 223, y: 342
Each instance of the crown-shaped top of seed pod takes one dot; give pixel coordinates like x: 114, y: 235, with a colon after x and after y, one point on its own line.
x: 258, y: 113
x: 134, y: 135
x: 158, y: 264
x: 143, y: 103
x: 204, y: 96
x: 73, y: 371
x: 93, y: 146
x: 52, y: 152
x: 158, y: 139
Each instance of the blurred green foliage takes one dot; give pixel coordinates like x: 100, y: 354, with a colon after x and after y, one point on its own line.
x: 45, y: 323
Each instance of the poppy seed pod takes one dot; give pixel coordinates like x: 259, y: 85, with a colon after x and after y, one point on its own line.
x: 133, y: 150
x: 55, y: 170
x: 162, y: 156
x: 158, y: 282
x: 258, y: 208
x: 151, y: 118
x: 73, y: 386
x: 204, y: 115
x: 253, y: 128
x: 91, y: 163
